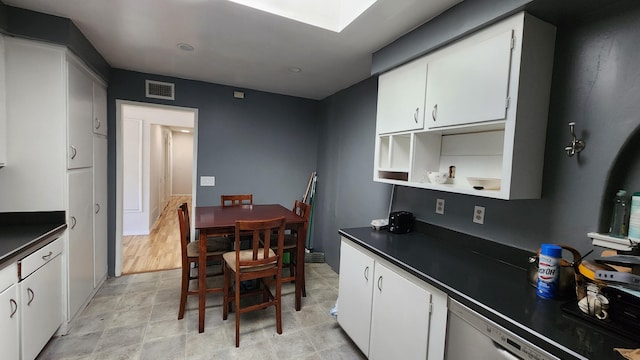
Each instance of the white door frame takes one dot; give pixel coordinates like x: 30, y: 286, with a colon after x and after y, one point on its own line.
x: 120, y: 165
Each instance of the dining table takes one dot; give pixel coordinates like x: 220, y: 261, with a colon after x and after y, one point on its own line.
x: 219, y: 220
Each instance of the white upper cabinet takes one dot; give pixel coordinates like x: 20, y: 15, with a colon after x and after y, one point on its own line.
x: 99, y: 109
x: 401, y: 98
x: 470, y: 83
x: 487, y: 103
x: 80, y: 134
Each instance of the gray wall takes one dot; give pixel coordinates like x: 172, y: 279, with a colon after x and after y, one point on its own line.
x: 265, y: 144
x: 347, y: 195
x: 596, y: 84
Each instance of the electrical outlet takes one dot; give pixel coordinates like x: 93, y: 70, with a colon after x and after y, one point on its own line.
x: 478, y: 215
x: 440, y: 206
x: 207, y: 181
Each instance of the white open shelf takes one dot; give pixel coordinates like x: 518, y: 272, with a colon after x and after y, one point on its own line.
x: 611, y: 242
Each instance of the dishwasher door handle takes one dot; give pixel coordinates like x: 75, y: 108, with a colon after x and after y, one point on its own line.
x: 504, y: 354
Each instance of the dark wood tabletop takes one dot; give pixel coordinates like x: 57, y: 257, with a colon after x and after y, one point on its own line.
x: 218, y: 218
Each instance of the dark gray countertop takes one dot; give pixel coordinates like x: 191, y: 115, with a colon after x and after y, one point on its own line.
x: 492, y: 279
x: 23, y: 233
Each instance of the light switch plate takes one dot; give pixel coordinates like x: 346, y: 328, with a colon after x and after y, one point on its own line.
x: 440, y: 206
x: 478, y: 215
x: 207, y: 181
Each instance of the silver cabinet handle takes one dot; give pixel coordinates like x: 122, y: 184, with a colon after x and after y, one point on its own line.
x: 415, y: 115
x: 14, y: 307
x: 97, y: 208
x: 47, y: 257
x: 98, y: 123
x: 366, y: 273
x: 74, y: 152
x: 73, y: 222
x: 434, y: 112
x: 31, y: 295
x: 380, y: 283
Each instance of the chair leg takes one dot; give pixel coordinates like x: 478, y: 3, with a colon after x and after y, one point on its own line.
x: 279, y: 305
x: 183, y: 292
x: 237, y: 311
x: 304, y: 285
x: 292, y: 271
x: 225, y: 297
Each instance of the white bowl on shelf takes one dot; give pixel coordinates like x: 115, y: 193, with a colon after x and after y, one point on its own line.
x: 438, y: 177
x: 480, y: 183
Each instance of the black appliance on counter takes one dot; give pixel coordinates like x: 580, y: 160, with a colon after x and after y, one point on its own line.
x: 401, y: 222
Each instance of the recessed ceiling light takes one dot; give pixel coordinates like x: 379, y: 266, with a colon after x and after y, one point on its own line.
x: 295, y: 69
x: 185, y: 47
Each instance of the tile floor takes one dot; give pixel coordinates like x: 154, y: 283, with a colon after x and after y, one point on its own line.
x: 136, y: 317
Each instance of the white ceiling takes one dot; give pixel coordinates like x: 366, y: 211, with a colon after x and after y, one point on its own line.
x: 236, y: 45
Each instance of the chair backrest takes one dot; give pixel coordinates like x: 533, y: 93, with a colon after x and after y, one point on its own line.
x: 264, y: 232
x: 185, y: 227
x: 236, y: 200
x: 302, y: 209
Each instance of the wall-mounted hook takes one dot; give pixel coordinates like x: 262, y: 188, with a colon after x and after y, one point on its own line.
x: 576, y: 145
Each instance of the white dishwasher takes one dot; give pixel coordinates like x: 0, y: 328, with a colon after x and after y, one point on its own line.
x: 472, y: 336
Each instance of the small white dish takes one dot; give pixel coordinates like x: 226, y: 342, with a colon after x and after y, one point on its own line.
x: 379, y: 223
x: 479, y: 183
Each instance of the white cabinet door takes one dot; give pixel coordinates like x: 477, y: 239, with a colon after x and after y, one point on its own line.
x: 41, y: 307
x: 355, y: 294
x: 401, y: 98
x: 470, y: 84
x: 80, y: 230
x: 3, y: 107
x: 99, y: 109
x: 100, y: 209
x: 400, y: 321
x: 9, y: 341
x: 79, y: 124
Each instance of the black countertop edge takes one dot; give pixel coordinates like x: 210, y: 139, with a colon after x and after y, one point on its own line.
x: 461, y: 266
x: 32, y: 218
x: 22, y: 233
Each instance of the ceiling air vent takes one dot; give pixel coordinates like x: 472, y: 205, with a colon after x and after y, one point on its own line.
x: 160, y: 90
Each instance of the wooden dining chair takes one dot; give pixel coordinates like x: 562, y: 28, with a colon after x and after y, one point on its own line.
x: 236, y: 200
x: 261, y: 263
x: 216, y: 247
x: 291, y: 242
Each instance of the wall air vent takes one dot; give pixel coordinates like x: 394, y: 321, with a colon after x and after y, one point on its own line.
x: 159, y: 90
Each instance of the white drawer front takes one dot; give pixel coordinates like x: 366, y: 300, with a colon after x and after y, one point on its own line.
x: 34, y: 261
x: 8, y: 276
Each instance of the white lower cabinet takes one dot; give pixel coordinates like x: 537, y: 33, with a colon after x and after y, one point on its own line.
x: 81, y: 212
x: 9, y: 314
x: 387, y: 312
x: 41, y: 302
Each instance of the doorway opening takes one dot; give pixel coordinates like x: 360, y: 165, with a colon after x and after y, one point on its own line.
x: 155, y: 172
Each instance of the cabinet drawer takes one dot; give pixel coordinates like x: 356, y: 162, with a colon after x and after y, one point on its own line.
x: 8, y: 276
x: 34, y: 261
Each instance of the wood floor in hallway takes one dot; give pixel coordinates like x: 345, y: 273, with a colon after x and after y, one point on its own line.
x: 160, y: 250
